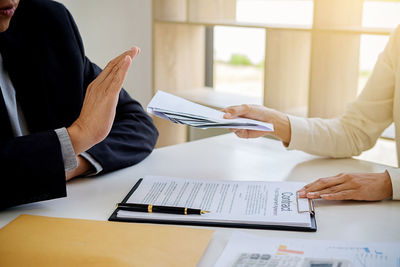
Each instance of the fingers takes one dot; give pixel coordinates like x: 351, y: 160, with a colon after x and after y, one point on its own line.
x: 120, y: 76
x: 329, y: 190
x: 342, y: 195
x: 255, y: 112
x: 132, y: 53
x: 238, y: 132
x: 236, y: 111
x: 321, y: 184
x: 115, y: 79
x: 243, y: 133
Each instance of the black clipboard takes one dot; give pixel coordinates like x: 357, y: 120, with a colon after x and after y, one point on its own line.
x: 312, y: 228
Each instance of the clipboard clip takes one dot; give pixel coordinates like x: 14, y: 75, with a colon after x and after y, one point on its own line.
x: 310, y: 209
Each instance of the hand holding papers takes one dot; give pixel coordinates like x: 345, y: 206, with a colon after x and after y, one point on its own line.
x: 179, y: 110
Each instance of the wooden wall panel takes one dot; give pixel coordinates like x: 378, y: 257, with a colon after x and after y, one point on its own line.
x: 335, y: 71
x: 212, y: 10
x: 337, y: 13
x: 179, y: 57
x: 335, y: 57
x: 287, y: 69
x: 179, y: 64
x: 171, y: 10
x: 170, y: 133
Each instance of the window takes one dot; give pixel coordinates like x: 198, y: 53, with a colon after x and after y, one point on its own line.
x: 294, y: 12
x: 381, y: 14
x: 376, y: 14
x: 239, y: 52
x: 239, y: 60
x: 370, y: 48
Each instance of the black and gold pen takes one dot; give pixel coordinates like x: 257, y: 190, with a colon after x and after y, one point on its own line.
x: 161, y: 209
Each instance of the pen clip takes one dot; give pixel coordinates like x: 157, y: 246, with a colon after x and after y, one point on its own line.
x: 310, y: 210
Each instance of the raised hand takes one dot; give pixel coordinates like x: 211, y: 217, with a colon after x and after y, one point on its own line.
x: 98, y: 111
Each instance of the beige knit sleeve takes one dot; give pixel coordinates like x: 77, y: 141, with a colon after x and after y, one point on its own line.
x: 364, y: 120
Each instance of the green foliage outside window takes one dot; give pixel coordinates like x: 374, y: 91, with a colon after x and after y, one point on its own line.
x: 243, y: 60
x: 237, y: 59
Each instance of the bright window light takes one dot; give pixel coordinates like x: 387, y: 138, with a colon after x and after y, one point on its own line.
x: 293, y: 12
x: 239, y: 60
x: 381, y: 14
x: 370, y: 48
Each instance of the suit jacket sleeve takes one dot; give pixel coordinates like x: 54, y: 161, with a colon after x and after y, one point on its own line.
x: 32, y: 169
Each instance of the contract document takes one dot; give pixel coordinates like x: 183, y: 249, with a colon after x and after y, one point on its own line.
x: 182, y: 111
x: 255, y: 204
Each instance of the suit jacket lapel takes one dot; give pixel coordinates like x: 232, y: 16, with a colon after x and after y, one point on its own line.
x: 25, y: 72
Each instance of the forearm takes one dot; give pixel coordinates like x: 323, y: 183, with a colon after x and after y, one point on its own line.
x: 282, y: 128
x: 338, y: 137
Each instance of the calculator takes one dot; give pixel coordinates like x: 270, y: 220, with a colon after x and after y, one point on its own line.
x: 268, y: 260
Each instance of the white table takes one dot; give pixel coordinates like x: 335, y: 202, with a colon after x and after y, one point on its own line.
x: 228, y: 157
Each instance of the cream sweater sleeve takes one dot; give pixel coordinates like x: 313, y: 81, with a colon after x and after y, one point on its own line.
x: 364, y: 120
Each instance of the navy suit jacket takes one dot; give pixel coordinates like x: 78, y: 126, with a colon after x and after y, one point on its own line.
x: 44, y: 56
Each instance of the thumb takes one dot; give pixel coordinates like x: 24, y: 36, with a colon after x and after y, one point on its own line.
x: 236, y: 111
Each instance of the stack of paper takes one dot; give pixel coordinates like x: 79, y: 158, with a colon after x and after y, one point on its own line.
x: 182, y: 111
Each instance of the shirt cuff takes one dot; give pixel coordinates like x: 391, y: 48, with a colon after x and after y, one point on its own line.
x: 395, y: 178
x: 96, y: 165
x: 67, y: 151
x: 299, y: 132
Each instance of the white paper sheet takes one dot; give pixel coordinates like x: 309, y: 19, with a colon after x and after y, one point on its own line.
x: 265, y: 203
x: 179, y: 110
x: 359, y: 254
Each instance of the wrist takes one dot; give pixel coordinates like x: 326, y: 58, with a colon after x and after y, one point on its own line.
x: 388, y: 191
x: 84, y: 167
x: 79, y: 138
x: 282, y: 128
